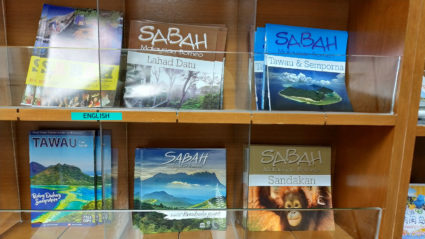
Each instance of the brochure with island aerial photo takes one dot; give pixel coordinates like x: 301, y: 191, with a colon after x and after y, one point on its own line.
x: 305, y: 68
x: 62, y: 175
x: 178, y: 179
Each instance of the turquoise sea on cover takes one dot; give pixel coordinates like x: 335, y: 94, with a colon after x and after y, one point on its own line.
x: 72, y: 198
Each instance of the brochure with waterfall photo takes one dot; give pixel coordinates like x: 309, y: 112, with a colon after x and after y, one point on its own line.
x: 289, y: 178
x: 176, y: 66
x: 184, y: 180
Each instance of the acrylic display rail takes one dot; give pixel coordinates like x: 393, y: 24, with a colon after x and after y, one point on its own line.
x: 359, y: 223
x: 370, y: 83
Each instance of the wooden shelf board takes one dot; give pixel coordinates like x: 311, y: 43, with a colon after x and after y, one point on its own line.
x: 205, y: 117
x: 215, y: 117
x: 44, y: 114
x: 319, y: 118
x: 145, y: 116
x: 360, y: 119
x: 302, y: 118
x: 420, y: 131
x: 8, y: 114
x: 8, y: 220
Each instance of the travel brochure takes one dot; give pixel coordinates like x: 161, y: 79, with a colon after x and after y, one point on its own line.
x: 174, y: 68
x: 63, y: 176
x: 292, y: 178
x: 414, y: 219
x: 178, y: 179
x: 304, y: 69
x: 61, y: 77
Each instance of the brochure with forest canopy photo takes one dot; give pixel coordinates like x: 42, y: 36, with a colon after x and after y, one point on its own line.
x: 177, y: 65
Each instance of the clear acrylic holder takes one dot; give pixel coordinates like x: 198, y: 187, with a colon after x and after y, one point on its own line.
x: 361, y: 223
x: 371, y: 81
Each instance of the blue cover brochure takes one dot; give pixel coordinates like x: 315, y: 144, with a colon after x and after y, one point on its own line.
x: 62, y: 177
x: 305, y: 68
x: 260, y: 83
x: 177, y: 179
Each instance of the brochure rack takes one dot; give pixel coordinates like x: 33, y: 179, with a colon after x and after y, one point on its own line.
x: 372, y: 147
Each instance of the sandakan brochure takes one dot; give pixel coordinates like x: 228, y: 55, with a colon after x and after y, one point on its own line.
x: 291, y: 178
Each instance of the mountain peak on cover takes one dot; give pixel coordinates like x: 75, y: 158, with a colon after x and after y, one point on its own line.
x: 157, y: 193
x: 62, y: 174
x: 167, y: 199
x: 200, y: 178
x: 36, y: 168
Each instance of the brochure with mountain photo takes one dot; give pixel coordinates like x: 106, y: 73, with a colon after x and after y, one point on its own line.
x: 62, y: 176
x: 177, y: 66
x: 305, y: 68
x: 64, y: 69
x: 179, y: 179
x: 291, y: 178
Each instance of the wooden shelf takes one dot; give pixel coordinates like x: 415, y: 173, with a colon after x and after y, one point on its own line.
x: 420, y: 131
x: 43, y: 114
x: 146, y: 116
x: 8, y: 114
x: 206, y: 117
x: 215, y: 117
x: 300, y: 118
x: 360, y: 119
